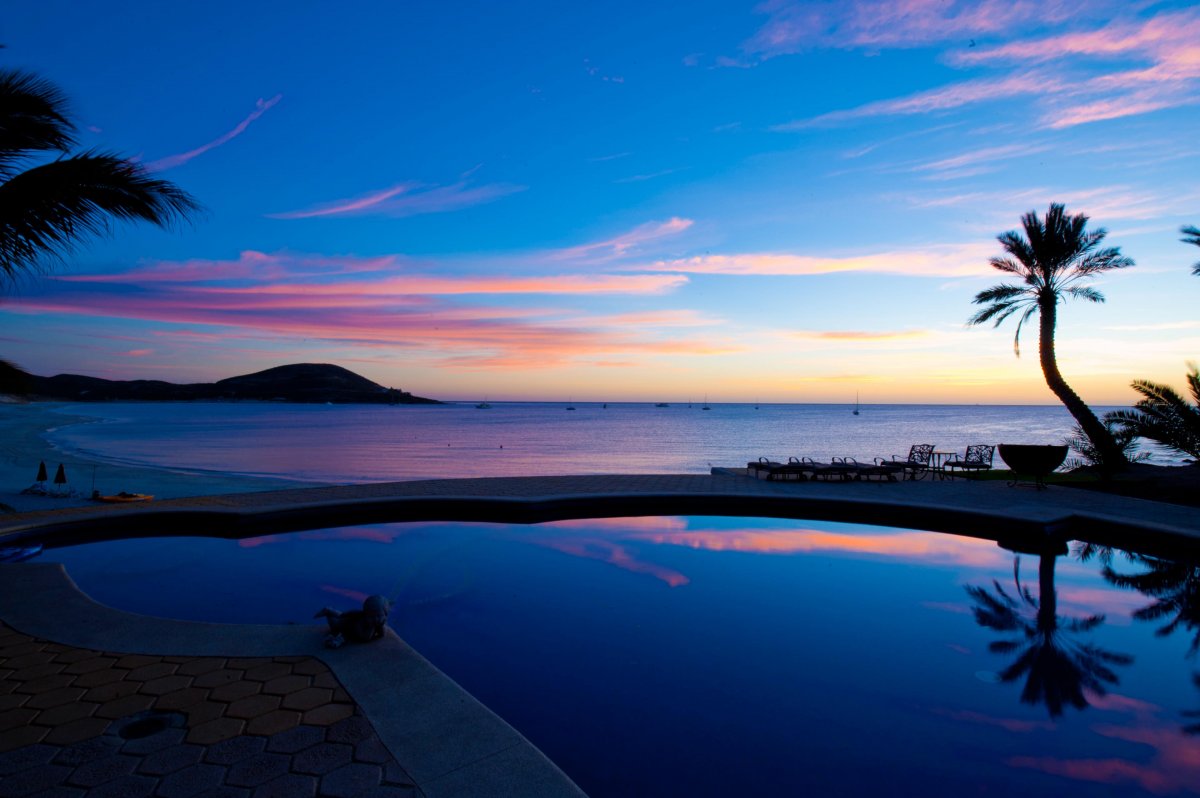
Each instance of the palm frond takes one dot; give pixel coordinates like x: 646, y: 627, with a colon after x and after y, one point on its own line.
x: 33, y: 117
x: 1084, y: 292
x: 1192, y: 237
x: 47, y: 210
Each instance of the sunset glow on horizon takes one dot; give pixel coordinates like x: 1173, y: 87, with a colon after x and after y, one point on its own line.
x: 774, y: 201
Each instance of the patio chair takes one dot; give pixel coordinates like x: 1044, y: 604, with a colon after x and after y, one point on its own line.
x: 918, y: 463
x: 978, y: 458
x: 755, y: 468
x: 799, y: 470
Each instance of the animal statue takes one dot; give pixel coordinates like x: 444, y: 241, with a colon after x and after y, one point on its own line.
x: 356, y: 626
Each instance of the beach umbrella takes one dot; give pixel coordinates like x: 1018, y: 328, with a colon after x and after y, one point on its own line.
x: 42, y: 476
x: 60, y: 478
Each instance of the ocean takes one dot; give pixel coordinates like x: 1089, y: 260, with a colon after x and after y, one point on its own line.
x: 343, y: 444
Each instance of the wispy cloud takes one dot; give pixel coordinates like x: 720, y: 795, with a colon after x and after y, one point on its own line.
x: 861, y: 335
x: 650, y: 175
x: 408, y: 199
x: 935, y: 261
x: 622, y: 245
x: 171, y: 161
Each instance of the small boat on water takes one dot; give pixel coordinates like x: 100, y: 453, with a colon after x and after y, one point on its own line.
x: 483, y: 405
x: 123, y: 497
x: 706, y: 407
x: 856, y: 403
x: 661, y: 404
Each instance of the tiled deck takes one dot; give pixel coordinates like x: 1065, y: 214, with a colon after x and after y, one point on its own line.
x: 74, y: 721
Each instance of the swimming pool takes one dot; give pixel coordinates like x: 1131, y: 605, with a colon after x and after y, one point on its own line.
x: 745, y: 656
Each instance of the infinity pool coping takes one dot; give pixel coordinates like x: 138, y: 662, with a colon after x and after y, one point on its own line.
x: 980, y: 508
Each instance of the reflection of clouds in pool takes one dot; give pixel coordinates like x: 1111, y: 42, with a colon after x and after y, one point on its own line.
x: 1018, y: 725
x: 1174, y: 766
x: 614, y: 554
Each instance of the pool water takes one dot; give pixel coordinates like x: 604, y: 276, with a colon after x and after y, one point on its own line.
x: 747, y: 656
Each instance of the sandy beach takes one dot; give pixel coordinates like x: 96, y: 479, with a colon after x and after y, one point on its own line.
x: 23, y: 445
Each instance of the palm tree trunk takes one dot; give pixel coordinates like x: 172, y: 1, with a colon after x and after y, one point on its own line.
x: 1047, y: 615
x: 1111, y: 454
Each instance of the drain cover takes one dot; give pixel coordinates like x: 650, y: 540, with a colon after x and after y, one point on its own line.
x: 145, y: 724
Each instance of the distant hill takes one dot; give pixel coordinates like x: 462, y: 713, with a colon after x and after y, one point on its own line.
x: 314, y: 383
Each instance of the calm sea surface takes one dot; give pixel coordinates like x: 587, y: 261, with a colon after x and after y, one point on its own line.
x: 368, y: 443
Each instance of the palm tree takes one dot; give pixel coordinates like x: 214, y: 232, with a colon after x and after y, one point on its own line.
x: 1175, y: 587
x: 1193, y: 237
x: 1051, y: 259
x: 49, y: 208
x: 1057, y: 669
x: 1163, y: 415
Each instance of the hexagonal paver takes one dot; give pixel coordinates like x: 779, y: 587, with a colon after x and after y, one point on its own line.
x: 169, y: 760
x: 66, y: 713
x: 214, y: 731
x: 108, y: 692
x: 181, y: 698
x: 128, y: 705
x: 88, y: 750
x: 73, y: 655
x: 99, y: 677
x: 26, y: 757
x: 273, y: 722
x: 12, y: 701
x: 15, y: 718
x: 372, y: 750
x: 321, y: 759
x: 253, y: 706
x: 33, y: 780
x: 54, y: 698
x: 308, y: 698
x: 235, y: 690
x: 29, y: 659
x: 46, y: 683
x: 269, y: 671
x: 23, y: 736
x: 164, y: 738
x: 76, y: 730
x: 199, y: 667
x: 350, y: 780
x: 289, y: 785
x: 216, y: 678
x: 102, y: 770
x: 295, y: 739
x: 283, y: 685
x: 204, y: 711
x: 134, y: 786
x: 235, y: 749
x: 166, y: 684
x: 192, y: 780
x: 132, y: 661
x: 48, y: 668
x: 352, y: 730
x: 328, y: 715
x: 94, y: 663
x: 256, y: 770
x: 246, y: 663
x: 309, y: 667
x: 153, y: 671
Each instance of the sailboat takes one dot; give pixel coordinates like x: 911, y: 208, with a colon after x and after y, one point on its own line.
x: 706, y: 407
x: 483, y: 405
x: 856, y: 403
x: 569, y: 405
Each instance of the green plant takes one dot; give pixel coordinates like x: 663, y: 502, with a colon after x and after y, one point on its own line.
x: 1088, y: 456
x: 1051, y: 259
x: 1165, y: 416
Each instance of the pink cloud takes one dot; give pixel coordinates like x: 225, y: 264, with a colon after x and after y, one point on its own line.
x: 139, y: 352
x: 1017, y: 725
x: 171, y: 161
x: 614, y: 554
x: 408, y: 199
x: 249, y: 265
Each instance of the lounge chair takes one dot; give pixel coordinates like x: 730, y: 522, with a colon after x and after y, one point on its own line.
x: 978, y: 458
x: 918, y: 463
x: 799, y: 470
x: 864, y: 471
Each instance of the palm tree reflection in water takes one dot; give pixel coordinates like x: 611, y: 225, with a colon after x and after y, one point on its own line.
x: 1057, y: 669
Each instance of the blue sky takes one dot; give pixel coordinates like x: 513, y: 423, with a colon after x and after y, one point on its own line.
x: 777, y: 201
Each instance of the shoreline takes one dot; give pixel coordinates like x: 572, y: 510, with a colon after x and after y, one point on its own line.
x: 23, y: 445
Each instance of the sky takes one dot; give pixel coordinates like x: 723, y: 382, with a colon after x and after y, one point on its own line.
x: 762, y: 201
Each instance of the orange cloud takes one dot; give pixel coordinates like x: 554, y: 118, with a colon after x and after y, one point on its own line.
x: 623, y: 244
